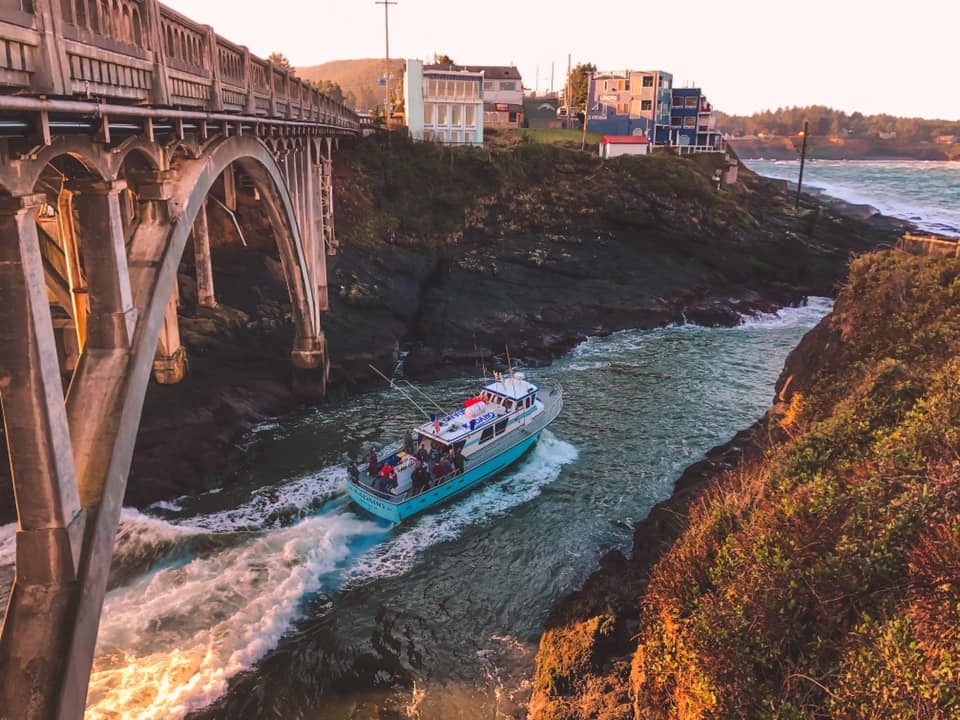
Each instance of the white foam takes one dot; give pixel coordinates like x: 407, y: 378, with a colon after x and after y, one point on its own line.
x: 397, y: 555
x: 8, y: 544
x: 170, y: 642
x: 270, y: 507
x: 806, y: 315
x: 168, y: 505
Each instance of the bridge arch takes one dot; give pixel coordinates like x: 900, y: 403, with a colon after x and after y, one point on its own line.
x: 194, y: 179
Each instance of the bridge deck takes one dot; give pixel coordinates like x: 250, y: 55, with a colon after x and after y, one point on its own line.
x: 145, y: 54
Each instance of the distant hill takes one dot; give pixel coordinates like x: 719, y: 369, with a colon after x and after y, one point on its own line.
x: 360, y: 79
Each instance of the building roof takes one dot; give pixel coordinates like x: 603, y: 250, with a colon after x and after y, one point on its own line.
x: 490, y: 72
x: 624, y: 140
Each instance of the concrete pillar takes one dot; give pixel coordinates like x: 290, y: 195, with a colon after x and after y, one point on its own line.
x: 51, y: 522
x: 202, y: 260
x: 112, y: 318
x: 230, y: 188
x: 170, y: 362
x: 75, y: 278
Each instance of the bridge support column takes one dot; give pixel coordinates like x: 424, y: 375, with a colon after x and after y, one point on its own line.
x: 51, y: 521
x: 310, y: 367
x: 327, y: 197
x: 112, y: 315
x: 229, y: 188
x: 170, y: 362
x: 201, y: 254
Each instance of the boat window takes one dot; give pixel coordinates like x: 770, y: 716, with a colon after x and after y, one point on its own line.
x: 486, y: 435
x: 500, y: 427
x: 509, y: 405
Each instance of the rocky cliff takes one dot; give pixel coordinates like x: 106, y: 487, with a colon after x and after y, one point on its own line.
x: 809, y: 567
x: 447, y: 254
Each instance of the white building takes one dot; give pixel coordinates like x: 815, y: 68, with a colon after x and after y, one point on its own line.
x: 615, y: 145
x: 443, y: 105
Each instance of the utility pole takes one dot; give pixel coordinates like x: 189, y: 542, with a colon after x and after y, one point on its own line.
x: 803, y: 156
x: 586, y: 112
x: 551, y: 75
x: 386, y: 75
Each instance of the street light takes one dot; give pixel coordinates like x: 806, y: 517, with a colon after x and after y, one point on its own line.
x: 803, y: 156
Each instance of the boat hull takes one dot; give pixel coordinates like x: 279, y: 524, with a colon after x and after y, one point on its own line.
x: 397, y: 512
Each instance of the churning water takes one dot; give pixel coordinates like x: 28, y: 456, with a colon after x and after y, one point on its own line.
x: 272, y: 597
x: 925, y: 193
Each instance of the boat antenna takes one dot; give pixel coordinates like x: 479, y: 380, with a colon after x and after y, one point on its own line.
x: 432, y: 401
x: 392, y: 384
x: 510, y: 368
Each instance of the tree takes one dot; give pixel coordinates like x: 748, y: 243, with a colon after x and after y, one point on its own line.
x: 279, y: 60
x: 443, y: 60
x: 578, y: 83
x: 331, y: 89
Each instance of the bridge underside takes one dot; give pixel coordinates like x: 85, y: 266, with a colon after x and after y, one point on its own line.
x: 94, y: 225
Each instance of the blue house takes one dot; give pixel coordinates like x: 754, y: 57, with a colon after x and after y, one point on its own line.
x: 692, y: 123
x: 630, y: 102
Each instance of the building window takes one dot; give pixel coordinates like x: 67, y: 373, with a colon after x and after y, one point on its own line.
x: 678, y: 102
x: 690, y: 122
x: 470, y: 115
x: 620, y: 85
x: 626, y: 85
x: 676, y: 122
x: 648, y: 80
x: 512, y: 117
x: 454, y: 137
x: 428, y: 135
x: 489, y: 85
x: 441, y: 114
x: 428, y: 113
x: 692, y: 101
x: 455, y: 114
x: 606, y: 85
x: 646, y: 104
x: 508, y: 85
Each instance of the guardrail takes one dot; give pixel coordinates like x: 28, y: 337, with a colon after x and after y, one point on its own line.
x: 142, y: 52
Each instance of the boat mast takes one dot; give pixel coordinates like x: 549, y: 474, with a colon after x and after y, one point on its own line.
x: 400, y: 389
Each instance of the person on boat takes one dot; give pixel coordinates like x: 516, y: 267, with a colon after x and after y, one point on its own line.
x: 409, y: 444
x: 372, y: 465
x: 435, y: 451
x: 458, y: 460
x: 389, y: 475
x: 442, y: 468
x: 420, y: 480
x: 353, y: 472
x: 422, y: 454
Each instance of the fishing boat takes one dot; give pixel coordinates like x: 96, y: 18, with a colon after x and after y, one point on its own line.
x: 488, y: 433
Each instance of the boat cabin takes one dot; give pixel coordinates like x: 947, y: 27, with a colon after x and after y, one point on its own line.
x: 499, y: 407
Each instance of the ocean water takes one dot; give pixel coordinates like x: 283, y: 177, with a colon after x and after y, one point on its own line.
x: 923, y: 192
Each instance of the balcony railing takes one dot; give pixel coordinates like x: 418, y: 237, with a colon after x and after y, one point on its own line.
x: 139, y: 51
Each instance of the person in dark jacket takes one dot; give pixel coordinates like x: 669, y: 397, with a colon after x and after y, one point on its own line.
x: 373, y: 467
x: 420, y: 480
x: 458, y: 461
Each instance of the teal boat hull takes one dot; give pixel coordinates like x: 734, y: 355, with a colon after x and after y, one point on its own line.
x: 399, y: 511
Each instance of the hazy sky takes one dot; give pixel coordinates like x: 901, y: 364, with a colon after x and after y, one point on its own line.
x: 747, y: 55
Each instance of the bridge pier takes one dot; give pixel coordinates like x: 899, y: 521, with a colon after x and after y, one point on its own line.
x: 112, y: 317
x: 50, y: 520
x: 206, y: 297
x: 170, y: 362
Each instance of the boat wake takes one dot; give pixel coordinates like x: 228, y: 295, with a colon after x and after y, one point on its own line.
x: 397, y: 555
x: 196, y: 600
x: 170, y: 640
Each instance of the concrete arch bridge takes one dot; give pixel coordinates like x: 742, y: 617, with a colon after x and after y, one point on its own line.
x: 120, y: 122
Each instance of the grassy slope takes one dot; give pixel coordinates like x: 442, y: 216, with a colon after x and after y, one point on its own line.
x: 361, y: 77
x: 824, y: 579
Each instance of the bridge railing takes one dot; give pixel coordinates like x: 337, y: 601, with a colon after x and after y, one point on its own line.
x: 143, y: 52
